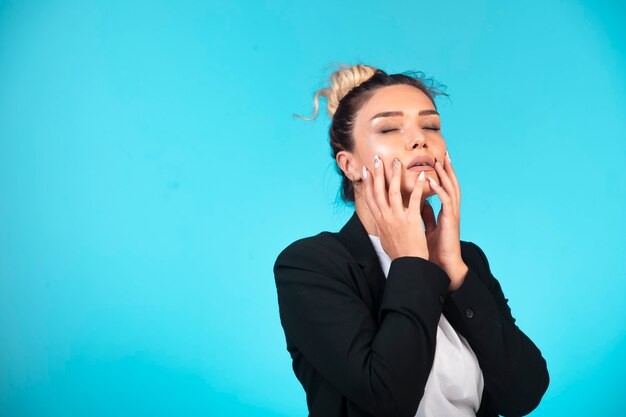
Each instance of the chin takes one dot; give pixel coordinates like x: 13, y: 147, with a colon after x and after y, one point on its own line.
x: 427, y: 192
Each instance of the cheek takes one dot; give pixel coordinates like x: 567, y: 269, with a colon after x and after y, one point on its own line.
x: 369, y: 145
x: 440, y: 149
x: 386, y: 148
x: 385, y: 151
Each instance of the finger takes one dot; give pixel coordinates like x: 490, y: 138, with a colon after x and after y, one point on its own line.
x: 428, y: 214
x: 380, y: 191
x: 446, y: 201
x: 446, y: 182
x: 416, y: 197
x: 368, y: 186
x: 447, y: 164
x: 395, y: 196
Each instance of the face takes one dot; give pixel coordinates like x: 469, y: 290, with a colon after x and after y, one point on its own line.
x: 408, y: 127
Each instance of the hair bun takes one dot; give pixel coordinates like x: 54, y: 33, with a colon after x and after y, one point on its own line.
x: 342, y: 81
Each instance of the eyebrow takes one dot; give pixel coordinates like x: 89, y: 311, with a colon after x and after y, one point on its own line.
x: 399, y: 113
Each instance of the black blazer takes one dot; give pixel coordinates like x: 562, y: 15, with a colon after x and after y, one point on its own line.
x: 363, y: 345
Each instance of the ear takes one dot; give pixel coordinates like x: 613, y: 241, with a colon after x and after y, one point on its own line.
x: 349, y: 165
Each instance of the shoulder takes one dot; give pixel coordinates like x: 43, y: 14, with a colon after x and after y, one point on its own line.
x: 322, y: 250
x: 473, y: 256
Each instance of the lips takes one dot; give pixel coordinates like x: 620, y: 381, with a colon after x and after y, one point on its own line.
x: 421, y: 159
x: 419, y: 168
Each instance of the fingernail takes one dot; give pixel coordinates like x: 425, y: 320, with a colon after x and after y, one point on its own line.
x: 376, y: 161
x: 438, y: 163
x: 396, y: 163
x: 433, y: 183
x: 420, y: 177
x: 448, y: 155
x: 364, y: 173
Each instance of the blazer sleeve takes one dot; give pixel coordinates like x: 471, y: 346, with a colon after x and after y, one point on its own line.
x: 381, y: 366
x: 514, y: 371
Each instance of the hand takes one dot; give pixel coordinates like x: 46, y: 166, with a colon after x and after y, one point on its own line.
x: 443, y: 236
x: 400, y: 229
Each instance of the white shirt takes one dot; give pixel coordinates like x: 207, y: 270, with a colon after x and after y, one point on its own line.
x: 455, y: 383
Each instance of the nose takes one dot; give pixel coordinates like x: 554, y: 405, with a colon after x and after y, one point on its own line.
x: 417, y: 141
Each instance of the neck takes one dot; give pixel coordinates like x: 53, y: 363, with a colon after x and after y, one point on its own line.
x: 366, y: 216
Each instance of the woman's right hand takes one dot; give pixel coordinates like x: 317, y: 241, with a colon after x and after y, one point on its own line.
x: 401, y: 230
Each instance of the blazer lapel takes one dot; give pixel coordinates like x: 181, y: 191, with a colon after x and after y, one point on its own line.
x: 354, y: 236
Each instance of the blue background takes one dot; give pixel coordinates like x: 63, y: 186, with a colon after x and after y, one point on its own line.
x: 151, y: 171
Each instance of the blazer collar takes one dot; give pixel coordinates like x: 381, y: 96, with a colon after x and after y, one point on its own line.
x: 354, y: 236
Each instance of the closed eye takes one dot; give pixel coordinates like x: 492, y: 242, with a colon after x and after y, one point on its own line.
x: 393, y: 130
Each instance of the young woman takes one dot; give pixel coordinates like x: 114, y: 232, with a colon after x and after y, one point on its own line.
x: 394, y: 315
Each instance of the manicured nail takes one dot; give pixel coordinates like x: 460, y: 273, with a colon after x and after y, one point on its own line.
x: 364, y: 173
x: 396, y: 163
x: 438, y: 163
x: 448, y: 156
x: 420, y: 177
x: 433, y: 183
x: 376, y: 161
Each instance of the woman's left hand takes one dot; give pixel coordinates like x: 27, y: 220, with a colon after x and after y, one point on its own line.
x: 443, y: 236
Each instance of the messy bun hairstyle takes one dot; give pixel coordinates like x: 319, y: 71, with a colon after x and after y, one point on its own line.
x: 351, y: 86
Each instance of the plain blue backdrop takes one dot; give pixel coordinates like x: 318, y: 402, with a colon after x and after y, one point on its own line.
x: 151, y: 171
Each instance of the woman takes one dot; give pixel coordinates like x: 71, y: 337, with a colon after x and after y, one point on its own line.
x: 394, y: 315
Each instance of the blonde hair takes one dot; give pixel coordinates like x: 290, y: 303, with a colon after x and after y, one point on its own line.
x: 341, y: 82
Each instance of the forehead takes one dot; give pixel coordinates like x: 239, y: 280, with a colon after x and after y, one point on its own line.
x: 401, y: 97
